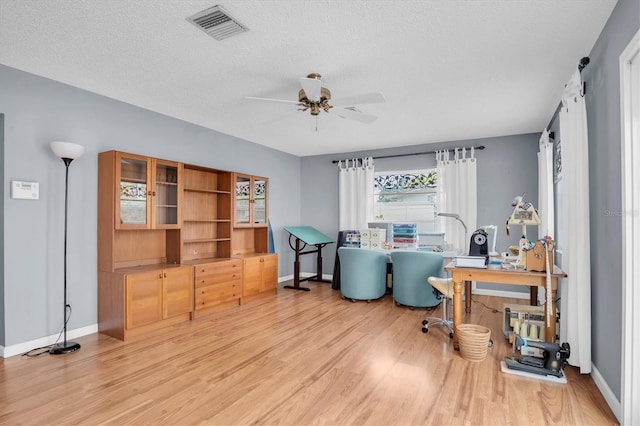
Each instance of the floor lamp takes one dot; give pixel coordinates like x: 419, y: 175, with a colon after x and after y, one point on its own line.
x: 68, y: 152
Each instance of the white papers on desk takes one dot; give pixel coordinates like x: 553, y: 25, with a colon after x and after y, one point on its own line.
x: 471, y: 261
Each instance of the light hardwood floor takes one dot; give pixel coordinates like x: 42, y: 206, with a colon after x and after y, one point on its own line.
x: 294, y: 358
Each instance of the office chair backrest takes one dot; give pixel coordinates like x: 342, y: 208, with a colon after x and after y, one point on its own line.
x: 410, y: 272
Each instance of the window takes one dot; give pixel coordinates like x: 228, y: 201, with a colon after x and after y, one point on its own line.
x: 407, y: 196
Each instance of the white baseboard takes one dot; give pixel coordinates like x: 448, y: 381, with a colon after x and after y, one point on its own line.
x: 304, y: 275
x: 604, y: 389
x: 20, y: 348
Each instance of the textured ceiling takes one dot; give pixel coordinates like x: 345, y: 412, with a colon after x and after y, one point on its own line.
x: 449, y: 69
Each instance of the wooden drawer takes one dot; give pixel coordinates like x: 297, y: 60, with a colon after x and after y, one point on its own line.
x: 226, y: 268
x: 211, y: 295
x: 206, y: 280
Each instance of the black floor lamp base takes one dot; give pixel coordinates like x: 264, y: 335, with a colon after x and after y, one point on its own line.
x: 64, y: 348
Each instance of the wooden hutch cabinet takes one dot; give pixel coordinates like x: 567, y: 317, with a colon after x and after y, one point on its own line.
x: 261, y: 274
x: 250, y: 234
x: 176, y: 240
x: 149, y: 192
x: 157, y: 295
x: 250, y: 201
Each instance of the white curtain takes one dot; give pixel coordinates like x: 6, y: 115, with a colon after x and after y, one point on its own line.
x: 545, y: 198
x: 545, y: 187
x: 356, y: 193
x: 457, y: 194
x: 574, y: 240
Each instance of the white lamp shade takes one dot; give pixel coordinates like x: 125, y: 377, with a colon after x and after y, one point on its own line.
x: 67, y: 150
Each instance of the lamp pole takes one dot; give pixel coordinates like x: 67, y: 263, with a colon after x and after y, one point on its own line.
x: 67, y: 152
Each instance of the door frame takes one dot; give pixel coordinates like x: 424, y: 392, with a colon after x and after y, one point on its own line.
x: 630, y: 213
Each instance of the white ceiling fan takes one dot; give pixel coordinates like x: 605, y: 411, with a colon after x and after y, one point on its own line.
x: 315, y: 98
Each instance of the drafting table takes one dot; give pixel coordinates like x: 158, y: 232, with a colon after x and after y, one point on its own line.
x: 307, y: 235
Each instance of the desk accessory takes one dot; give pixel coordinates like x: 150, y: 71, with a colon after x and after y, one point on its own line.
x: 471, y: 261
x: 478, y: 245
x: 457, y: 217
x: 523, y: 214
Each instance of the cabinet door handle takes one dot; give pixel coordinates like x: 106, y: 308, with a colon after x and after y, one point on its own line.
x: 165, y: 275
x: 154, y: 193
x: 160, y: 275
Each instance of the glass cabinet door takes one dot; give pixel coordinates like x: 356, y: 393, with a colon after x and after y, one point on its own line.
x: 242, y: 215
x: 167, y: 179
x: 259, y: 201
x: 133, y: 206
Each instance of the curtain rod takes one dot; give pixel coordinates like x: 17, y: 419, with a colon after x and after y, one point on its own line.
x: 480, y: 147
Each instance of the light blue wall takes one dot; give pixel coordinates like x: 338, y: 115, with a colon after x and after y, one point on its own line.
x: 602, y: 100
x: 38, y: 111
x: 507, y: 167
x: 605, y: 165
x: 2, y: 192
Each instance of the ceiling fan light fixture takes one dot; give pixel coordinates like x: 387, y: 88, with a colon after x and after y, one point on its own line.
x: 313, y: 97
x: 325, y: 95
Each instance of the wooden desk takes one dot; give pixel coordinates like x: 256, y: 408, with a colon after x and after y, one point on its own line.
x: 495, y: 274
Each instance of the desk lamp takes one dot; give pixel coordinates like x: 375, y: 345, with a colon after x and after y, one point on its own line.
x: 68, y: 152
x: 457, y: 217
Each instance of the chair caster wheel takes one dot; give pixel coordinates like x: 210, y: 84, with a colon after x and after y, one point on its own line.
x: 398, y: 305
x: 353, y: 300
x: 425, y: 322
x: 411, y: 308
x: 450, y: 335
x: 425, y: 329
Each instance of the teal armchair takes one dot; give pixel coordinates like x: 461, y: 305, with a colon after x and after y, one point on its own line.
x: 410, y: 272
x: 363, y: 273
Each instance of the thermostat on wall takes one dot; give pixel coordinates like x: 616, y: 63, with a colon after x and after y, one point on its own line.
x: 25, y: 190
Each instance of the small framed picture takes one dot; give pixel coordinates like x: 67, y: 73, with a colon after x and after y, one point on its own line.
x: 557, y: 163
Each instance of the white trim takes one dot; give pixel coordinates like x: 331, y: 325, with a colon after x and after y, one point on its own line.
x: 21, y: 348
x: 606, y: 392
x: 630, y: 129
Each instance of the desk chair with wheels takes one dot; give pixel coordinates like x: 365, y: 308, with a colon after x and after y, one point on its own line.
x: 444, y: 287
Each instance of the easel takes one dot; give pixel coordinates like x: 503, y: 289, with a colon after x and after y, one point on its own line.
x: 308, y: 236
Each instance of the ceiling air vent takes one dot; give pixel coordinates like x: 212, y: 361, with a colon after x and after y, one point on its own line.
x: 217, y: 22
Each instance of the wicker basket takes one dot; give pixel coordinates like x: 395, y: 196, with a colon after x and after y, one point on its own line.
x: 473, y: 340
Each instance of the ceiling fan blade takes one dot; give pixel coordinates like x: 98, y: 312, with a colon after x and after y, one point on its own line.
x: 279, y: 117
x: 354, y: 115
x: 367, y: 98
x: 311, y: 87
x: 272, y: 100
